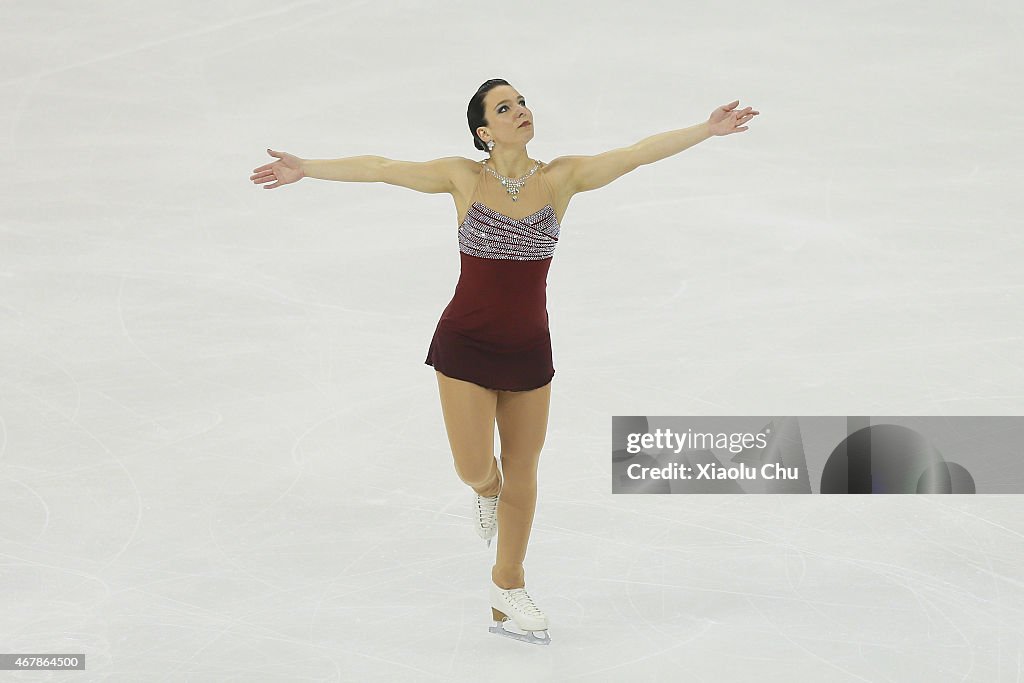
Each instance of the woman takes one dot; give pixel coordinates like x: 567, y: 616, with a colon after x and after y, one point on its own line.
x: 491, y: 350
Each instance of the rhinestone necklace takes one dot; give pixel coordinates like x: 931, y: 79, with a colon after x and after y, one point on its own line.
x: 512, y: 185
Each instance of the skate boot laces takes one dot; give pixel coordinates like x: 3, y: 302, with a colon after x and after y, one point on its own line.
x: 522, y: 601
x: 487, y: 515
x: 486, y: 511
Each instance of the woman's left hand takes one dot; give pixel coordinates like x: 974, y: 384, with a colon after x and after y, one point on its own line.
x: 726, y: 120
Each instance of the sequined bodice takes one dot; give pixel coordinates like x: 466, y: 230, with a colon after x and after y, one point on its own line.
x: 490, y: 234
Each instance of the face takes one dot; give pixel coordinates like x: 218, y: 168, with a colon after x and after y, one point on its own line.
x: 505, y: 110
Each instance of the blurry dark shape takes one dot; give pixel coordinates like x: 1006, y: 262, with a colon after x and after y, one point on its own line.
x: 884, y: 458
x: 946, y: 477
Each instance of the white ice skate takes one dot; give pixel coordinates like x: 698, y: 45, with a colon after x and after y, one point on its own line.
x: 515, y: 604
x: 487, y: 517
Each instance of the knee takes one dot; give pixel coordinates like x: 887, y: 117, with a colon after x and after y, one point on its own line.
x: 523, y: 463
x: 476, y: 472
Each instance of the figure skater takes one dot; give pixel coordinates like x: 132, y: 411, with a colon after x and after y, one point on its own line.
x: 491, y: 349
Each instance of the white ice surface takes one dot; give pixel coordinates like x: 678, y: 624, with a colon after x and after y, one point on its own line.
x: 222, y: 457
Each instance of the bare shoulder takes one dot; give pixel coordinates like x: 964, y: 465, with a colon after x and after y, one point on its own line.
x: 558, y: 171
x: 464, y: 173
x: 560, y: 175
x: 464, y: 169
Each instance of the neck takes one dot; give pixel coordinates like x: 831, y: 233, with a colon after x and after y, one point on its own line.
x: 512, y: 163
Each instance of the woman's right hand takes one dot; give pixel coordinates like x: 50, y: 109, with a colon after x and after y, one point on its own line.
x: 287, y: 170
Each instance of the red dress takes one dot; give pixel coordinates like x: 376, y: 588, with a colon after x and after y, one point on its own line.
x: 494, y: 332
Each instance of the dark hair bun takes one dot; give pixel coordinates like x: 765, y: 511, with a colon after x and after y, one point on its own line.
x: 475, y: 111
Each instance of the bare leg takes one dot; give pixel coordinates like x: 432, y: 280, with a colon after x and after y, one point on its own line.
x: 469, y: 413
x: 522, y: 418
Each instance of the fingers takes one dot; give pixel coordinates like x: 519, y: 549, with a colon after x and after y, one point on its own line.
x: 265, y: 173
x: 263, y: 177
x: 732, y: 105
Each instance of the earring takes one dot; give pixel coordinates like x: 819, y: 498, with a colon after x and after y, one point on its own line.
x: 490, y: 145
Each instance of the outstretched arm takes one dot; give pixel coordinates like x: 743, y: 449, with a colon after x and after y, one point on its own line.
x: 431, y: 177
x: 423, y: 176
x: 583, y: 173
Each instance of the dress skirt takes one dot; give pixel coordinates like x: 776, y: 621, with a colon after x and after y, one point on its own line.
x: 472, y: 360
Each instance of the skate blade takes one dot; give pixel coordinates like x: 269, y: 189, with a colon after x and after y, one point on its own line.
x: 528, y: 637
